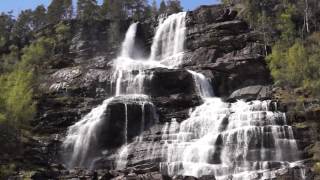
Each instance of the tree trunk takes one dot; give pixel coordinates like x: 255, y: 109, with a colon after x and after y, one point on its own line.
x: 307, y: 16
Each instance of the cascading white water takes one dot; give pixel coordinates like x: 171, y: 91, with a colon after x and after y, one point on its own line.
x: 168, y: 42
x: 128, y: 43
x: 238, y: 140
x: 166, y: 52
x: 142, y: 101
x: 81, y: 137
x: 242, y: 140
x: 203, y: 85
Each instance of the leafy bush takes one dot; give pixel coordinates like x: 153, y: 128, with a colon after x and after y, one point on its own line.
x: 297, y: 65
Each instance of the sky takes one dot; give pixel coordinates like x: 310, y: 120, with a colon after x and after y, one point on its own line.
x: 17, y: 5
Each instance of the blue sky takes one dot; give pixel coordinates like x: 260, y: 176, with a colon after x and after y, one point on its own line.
x: 18, y: 5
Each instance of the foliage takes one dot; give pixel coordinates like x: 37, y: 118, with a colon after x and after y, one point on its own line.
x: 174, y: 6
x: 8, y: 61
x: 120, y: 10
x: 163, y: 7
x: 18, y: 94
x: 59, y: 10
x: 62, y: 39
x: 87, y: 10
x: 297, y: 65
x: 2, y: 118
x: 39, y: 18
x: 6, y: 24
x: 36, y: 53
x: 6, y: 170
x: 286, y: 24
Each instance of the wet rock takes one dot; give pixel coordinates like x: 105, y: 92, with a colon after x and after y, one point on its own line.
x: 165, y: 82
x: 126, y: 116
x: 251, y: 93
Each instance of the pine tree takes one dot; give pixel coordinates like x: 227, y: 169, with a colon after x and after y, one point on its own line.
x: 39, y: 17
x: 106, y: 9
x: 55, y: 11
x: 22, y: 27
x: 154, y: 9
x: 118, y: 9
x: 6, y: 25
x: 174, y: 6
x: 163, y: 7
x: 87, y: 10
x: 139, y: 9
x: 59, y: 10
x: 68, y: 9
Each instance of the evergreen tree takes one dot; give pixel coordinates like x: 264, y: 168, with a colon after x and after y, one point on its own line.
x: 163, y: 7
x: 55, y: 11
x: 39, y: 18
x: 174, y: 6
x: 6, y: 25
x: 139, y: 9
x: 118, y: 9
x: 8, y: 61
x: 87, y: 10
x: 23, y: 27
x: 154, y: 8
x: 106, y: 9
x: 68, y: 9
x: 59, y: 10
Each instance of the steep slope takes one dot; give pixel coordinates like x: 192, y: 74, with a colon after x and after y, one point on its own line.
x: 218, y: 45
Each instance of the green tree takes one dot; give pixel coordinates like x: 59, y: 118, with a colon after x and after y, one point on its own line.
x: 59, y: 10
x: 19, y: 105
x: 286, y: 24
x: 22, y: 29
x: 105, y: 10
x: 118, y: 10
x: 10, y: 60
x: 63, y: 37
x: 39, y: 19
x: 87, y: 10
x: 35, y: 54
x: 154, y: 9
x: 174, y: 6
x: 6, y: 25
x: 139, y: 9
x: 163, y: 7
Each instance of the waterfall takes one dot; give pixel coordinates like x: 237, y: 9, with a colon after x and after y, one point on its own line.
x: 168, y: 42
x: 243, y: 140
x: 128, y: 43
x: 203, y: 85
x: 81, y: 138
x: 239, y: 141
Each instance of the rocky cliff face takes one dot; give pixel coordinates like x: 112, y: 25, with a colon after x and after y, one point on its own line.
x: 218, y: 44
